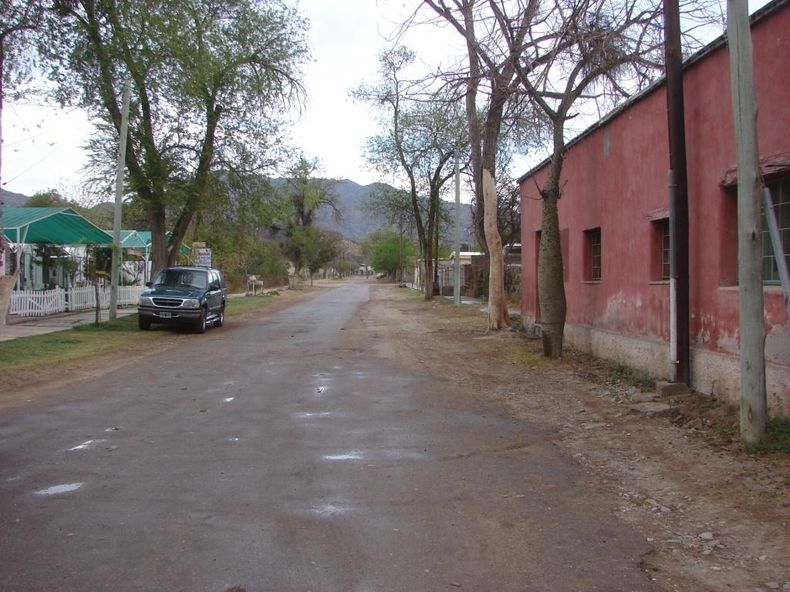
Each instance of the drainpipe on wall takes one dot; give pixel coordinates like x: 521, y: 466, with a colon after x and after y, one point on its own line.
x: 678, y: 197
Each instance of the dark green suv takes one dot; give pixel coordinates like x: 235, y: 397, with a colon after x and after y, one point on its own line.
x: 193, y: 296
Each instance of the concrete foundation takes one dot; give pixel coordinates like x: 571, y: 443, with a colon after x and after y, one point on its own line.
x: 711, y: 373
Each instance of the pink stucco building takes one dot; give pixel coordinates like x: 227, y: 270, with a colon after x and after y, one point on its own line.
x: 614, y: 222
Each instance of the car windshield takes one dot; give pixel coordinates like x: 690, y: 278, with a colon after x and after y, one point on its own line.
x: 181, y: 277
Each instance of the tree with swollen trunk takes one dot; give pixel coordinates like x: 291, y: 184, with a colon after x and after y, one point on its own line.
x: 209, y: 80
x: 492, y: 79
x: 423, y: 135
x: 573, y: 50
x: 578, y: 53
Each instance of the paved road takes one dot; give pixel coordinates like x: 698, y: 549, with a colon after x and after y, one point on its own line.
x: 271, y: 457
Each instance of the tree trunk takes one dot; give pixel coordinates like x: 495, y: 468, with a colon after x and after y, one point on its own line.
x: 497, y: 301
x: 551, y: 287
x: 159, y: 255
x: 428, y: 259
x: 7, y: 283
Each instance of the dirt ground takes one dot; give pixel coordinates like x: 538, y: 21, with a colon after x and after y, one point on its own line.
x: 716, y: 517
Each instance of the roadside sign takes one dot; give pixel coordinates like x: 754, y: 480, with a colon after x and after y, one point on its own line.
x: 202, y: 256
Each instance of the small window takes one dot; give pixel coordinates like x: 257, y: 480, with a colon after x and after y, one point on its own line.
x: 780, y: 194
x: 659, y: 255
x: 593, y: 263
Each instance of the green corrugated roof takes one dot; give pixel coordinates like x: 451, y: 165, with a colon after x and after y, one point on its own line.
x: 58, y: 226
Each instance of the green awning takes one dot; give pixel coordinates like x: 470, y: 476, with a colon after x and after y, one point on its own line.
x: 130, y: 239
x: 57, y: 226
x: 145, y: 235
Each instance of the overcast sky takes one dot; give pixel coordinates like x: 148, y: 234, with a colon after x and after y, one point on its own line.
x: 43, y: 147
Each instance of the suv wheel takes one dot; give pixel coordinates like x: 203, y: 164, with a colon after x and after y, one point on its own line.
x: 143, y: 324
x: 202, y: 322
x: 220, y: 320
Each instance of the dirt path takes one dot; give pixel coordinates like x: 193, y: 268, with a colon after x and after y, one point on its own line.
x: 717, y: 519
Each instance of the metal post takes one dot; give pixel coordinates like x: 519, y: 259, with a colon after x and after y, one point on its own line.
x: 678, y: 196
x: 776, y: 243
x: 116, y: 224
x: 457, y: 265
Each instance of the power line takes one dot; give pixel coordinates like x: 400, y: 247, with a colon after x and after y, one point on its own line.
x: 32, y: 166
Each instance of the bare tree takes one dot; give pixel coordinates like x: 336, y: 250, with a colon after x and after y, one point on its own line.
x: 422, y: 137
x: 492, y: 78
x: 555, y: 54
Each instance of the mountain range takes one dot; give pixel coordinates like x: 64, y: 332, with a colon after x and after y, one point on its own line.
x: 357, y: 222
x: 12, y: 200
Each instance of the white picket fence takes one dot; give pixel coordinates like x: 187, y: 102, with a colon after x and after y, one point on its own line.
x: 39, y: 303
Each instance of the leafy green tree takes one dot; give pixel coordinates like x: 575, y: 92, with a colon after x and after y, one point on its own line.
x: 344, y: 267
x: 312, y: 248
x: 391, y: 253
x: 324, y: 247
x: 301, y: 195
x: 242, y: 208
x: 51, y: 198
x: 209, y: 81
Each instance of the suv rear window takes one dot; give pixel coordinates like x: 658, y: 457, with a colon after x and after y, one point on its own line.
x: 181, y: 277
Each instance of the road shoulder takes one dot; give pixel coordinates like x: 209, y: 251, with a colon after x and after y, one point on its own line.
x: 716, y: 519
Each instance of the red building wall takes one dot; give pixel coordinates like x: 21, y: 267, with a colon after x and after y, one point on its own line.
x: 615, y: 178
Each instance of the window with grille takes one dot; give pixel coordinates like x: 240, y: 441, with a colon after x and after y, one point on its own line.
x: 593, y: 261
x: 780, y: 194
x: 659, y: 266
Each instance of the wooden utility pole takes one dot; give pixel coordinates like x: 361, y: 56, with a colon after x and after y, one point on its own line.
x: 678, y: 198
x: 750, y: 272
x: 116, y: 225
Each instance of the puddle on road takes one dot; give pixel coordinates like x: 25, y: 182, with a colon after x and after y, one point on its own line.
x: 395, y: 454
x: 56, y: 489
x: 330, y: 510
x: 351, y: 455
x: 313, y: 414
x: 86, y: 445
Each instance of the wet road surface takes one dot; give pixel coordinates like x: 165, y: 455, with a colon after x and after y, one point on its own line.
x: 270, y: 457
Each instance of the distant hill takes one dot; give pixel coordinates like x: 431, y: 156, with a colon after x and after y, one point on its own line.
x: 357, y: 221
x: 13, y: 200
